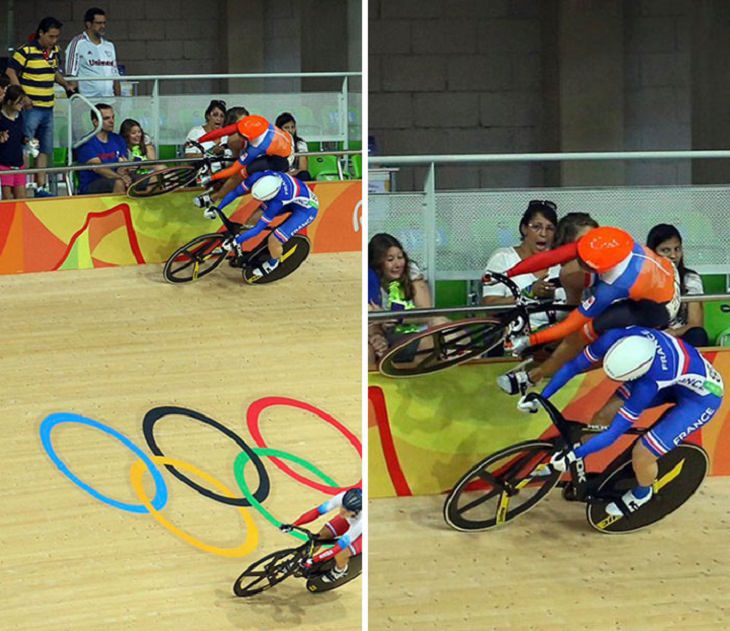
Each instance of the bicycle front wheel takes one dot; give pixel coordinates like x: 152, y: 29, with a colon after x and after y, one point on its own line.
x: 267, y: 572
x: 195, y: 259
x: 164, y: 181
x: 442, y: 347
x: 501, y: 487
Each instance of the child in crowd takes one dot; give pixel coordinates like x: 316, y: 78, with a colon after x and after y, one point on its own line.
x: 12, y: 139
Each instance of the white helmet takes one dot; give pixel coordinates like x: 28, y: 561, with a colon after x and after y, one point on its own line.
x: 266, y: 188
x: 629, y: 358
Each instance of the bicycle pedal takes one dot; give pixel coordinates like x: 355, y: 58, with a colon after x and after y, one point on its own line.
x: 237, y: 261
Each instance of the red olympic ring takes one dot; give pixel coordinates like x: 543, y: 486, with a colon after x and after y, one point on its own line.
x: 253, y: 415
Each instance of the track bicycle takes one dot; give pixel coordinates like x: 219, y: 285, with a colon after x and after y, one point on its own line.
x: 453, y: 343
x: 514, y: 480
x: 176, y: 177
x: 280, y: 565
x: 205, y: 253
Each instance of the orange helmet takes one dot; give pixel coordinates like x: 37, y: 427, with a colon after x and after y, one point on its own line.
x: 252, y: 126
x: 603, y: 248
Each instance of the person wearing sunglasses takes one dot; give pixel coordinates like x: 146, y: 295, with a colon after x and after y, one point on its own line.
x: 537, y: 233
x: 215, y: 114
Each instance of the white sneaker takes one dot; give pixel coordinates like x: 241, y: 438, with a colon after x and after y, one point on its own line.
x: 335, y: 574
x: 515, y: 382
x: 265, y: 268
x: 632, y: 502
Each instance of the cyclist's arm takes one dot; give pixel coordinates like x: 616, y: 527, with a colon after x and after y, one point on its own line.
x: 227, y: 187
x: 641, y: 397
x: 230, y: 171
x: 330, y: 504
x: 342, y: 543
x: 591, y: 355
x: 596, y: 304
x: 544, y: 260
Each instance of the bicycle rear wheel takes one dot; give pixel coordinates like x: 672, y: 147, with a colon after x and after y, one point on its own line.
x: 442, y: 347
x: 681, y: 471
x: 195, y: 259
x: 315, y: 583
x: 267, y: 572
x: 296, y: 251
x: 501, y: 487
x: 164, y: 181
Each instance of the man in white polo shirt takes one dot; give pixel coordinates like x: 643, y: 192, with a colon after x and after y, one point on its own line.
x: 90, y: 54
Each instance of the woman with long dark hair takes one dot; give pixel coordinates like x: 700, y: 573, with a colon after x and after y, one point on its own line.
x: 286, y: 122
x: 666, y: 241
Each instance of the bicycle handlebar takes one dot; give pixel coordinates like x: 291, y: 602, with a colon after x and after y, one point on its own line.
x: 555, y: 415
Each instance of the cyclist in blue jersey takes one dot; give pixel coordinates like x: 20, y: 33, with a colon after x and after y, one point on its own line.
x: 346, y: 526
x: 279, y: 193
x: 655, y: 369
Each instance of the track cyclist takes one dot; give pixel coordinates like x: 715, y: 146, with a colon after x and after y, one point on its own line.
x: 629, y: 285
x: 265, y: 147
x: 346, y: 526
x: 278, y: 193
x: 655, y: 369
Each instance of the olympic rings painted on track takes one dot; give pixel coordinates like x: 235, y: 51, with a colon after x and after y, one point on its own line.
x: 155, y: 414
x: 51, y: 421
x: 253, y: 418
x: 239, y: 466
x: 252, y: 534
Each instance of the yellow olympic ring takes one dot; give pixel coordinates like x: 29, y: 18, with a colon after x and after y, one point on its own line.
x: 252, y: 533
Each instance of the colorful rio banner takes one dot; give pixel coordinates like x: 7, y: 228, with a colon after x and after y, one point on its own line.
x: 425, y: 432
x: 110, y: 230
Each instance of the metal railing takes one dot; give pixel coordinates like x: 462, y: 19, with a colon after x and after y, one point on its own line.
x: 155, y: 96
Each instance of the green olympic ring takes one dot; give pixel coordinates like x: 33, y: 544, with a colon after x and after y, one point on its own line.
x: 243, y: 459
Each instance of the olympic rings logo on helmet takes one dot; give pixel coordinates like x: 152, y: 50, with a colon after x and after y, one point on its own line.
x: 604, y: 248
x: 204, y: 483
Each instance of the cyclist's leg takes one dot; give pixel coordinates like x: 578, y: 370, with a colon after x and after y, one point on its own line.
x: 299, y: 218
x: 678, y: 422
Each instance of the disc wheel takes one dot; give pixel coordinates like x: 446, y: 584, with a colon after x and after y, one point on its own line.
x: 681, y: 472
x: 195, y: 259
x: 266, y: 572
x: 442, y: 347
x: 164, y: 181
x: 501, y: 487
x: 296, y: 251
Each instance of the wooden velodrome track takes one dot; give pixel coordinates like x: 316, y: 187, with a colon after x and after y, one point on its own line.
x: 111, y: 344
x: 549, y: 570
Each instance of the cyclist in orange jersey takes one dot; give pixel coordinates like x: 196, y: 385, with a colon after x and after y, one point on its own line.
x: 631, y: 285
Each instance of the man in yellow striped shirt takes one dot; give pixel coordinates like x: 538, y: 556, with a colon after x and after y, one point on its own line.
x: 34, y: 67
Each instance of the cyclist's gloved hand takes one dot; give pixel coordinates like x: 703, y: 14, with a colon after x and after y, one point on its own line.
x: 204, y: 179
x: 203, y: 200
x: 229, y: 245
x: 561, y: 460
x: 211, y: 212
x: 520, y: 343
x: 285, y: 527
x: 527, y: 406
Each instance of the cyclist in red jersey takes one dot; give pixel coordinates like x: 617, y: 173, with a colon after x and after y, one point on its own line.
x: 631, y: 285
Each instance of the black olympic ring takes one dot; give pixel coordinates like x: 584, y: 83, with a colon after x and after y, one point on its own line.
x: 155, y: 414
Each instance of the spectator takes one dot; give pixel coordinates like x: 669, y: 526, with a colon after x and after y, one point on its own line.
x: 11, y: 150
x: 395, y: 283
x: 4, y: 83
x: 34, y: 67
x: 139, y: 145
x: 89, y: 54
x: 286, y: 122
x: 537, y: 232
x: 666, y: 241
x: 215, y: 114
x: 105, y: 147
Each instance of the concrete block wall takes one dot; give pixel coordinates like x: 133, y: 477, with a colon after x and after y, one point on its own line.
x: 657, y: 87
x: 463, y: 76
x: 195, y: 36
x: 457, y: 76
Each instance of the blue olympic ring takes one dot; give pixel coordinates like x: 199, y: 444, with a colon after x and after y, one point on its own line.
x: 160, y: 499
